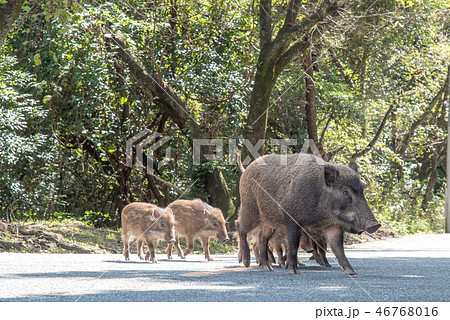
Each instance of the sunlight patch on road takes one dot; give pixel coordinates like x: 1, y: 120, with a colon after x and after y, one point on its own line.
x: 208, y: 273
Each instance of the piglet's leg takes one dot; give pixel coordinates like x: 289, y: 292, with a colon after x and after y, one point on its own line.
x: 178, y: 247
x: 190, y: 243
x: 126, y: 247
x: 140, y: 248
x: 169, y: 251
x: 205, y: 244
x: 263, y: 240
x: 335, y: 237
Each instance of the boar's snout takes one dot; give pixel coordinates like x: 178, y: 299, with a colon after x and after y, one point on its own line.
x: 226, y: 239
x: 373, y: 228
x: 171, y: 240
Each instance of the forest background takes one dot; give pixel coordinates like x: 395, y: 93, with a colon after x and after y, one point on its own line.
x: 365, y: 81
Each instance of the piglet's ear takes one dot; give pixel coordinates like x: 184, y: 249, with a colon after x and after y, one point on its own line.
x: 331, y: 175
x: 353, y: 166
x: 153, y: 213
x: 156, y: 214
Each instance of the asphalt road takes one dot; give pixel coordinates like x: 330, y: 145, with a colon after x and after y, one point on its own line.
x: 415, y: 268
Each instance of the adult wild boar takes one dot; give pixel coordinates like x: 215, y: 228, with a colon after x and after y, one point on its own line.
x: 196, y: 219
x: 149, y: 223
x: 298, y: 191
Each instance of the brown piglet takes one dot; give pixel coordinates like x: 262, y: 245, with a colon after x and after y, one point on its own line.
x: 196, y: 219
x: 147, y: 223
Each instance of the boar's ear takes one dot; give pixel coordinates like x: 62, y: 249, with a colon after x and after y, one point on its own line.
x: 331, y: 175
x: 205, y: 211
x: 155, y: 213
x: 353, y: 166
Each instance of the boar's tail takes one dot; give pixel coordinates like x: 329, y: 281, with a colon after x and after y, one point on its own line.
x: 239, y: 160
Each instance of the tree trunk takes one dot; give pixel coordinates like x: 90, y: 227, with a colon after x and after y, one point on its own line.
x: 217, y: 185
x: 9, y: 12
x: 291, y: 41
x: 310, y: 101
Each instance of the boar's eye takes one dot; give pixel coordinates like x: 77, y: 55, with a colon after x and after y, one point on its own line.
x: 347, y: 194
x: 215, y: 224
x: 162, y: 224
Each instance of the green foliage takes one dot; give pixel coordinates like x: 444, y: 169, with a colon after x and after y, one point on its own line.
x: 99, y: 219
x: 68, y: 104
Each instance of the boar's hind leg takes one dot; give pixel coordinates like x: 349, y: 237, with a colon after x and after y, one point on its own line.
x: 126, y: 247
x: 140, y: 248
x: 247, y: 221
x: 335, y: 237
x: 264, y: 237
x: 205, y: 244
x: 293, y: 233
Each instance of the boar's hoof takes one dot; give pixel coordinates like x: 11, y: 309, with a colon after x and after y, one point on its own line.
x: 210, y: 259
x: 292, y: 271
x: 170, y: 258
x: 350, y: 271
x: 154, y: 260
x: 267, y: 268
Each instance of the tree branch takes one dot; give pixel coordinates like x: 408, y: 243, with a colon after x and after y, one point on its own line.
x: 163, y: 95
x: 290, y: 32
x: 377, y: 134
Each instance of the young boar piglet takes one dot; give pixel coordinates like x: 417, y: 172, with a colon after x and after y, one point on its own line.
x: 196, y: 219
x: 147, y: 223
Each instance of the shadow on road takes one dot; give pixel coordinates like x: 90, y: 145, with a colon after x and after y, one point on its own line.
x: 386, y: 279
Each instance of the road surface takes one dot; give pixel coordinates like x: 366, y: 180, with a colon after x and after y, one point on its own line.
x: 413, y: 268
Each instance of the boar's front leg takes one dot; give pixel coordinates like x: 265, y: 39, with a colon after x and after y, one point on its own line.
x: 150, y: 256
x: 178, y: 247
x: 335, y: 237
x: 169, y: 251
x: 293, y: 233
x: 190, y: 244
x: 205, y: 244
